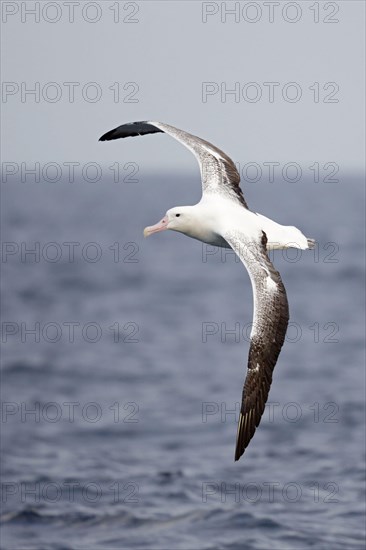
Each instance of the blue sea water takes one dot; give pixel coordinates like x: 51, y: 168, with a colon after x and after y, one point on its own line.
x: 123, y: 360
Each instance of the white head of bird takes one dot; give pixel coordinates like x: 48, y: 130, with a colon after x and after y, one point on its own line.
x: 184, y: 219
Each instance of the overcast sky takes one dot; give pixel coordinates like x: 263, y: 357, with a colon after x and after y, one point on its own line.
x: 175, y: 62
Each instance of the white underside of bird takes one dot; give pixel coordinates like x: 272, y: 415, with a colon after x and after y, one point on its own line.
x: 213, y: 215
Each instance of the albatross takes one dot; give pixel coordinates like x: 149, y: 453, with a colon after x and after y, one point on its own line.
x: 222, y: 218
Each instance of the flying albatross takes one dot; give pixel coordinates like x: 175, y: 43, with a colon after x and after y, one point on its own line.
x: 222, y: 218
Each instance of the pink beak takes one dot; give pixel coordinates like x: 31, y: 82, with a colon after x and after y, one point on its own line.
x: 160, y: 226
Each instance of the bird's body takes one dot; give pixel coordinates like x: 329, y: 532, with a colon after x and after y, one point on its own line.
x: 222, y: 218
x: 210, y: 218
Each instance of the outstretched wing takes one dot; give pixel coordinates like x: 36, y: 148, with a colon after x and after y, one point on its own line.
x: 270, y: 321
x: 218, y: 172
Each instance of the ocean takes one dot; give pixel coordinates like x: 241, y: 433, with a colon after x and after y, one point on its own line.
x: 123, y: 360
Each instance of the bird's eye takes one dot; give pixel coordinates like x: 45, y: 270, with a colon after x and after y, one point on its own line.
x: 177, y: 215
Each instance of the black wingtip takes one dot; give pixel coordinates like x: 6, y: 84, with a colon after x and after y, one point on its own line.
x: 239, y: 451
x: 238, y: 454
x: 130, y: 129
x: 241, y: 443
x: 106, y: 137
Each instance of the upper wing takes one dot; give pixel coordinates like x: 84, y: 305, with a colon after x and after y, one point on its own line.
x: 218, y: 172
x: 270, y: 321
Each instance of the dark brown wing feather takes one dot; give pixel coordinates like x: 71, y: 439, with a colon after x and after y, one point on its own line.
x: 270, y: 321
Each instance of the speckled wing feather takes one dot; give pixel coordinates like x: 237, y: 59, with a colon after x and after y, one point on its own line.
x: 270, y: 319
x: 218, y: 172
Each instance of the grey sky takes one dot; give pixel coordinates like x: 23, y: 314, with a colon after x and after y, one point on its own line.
x: 170, y: 52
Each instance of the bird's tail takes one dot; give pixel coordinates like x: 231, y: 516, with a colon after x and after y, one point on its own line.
x: 311, y: 243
